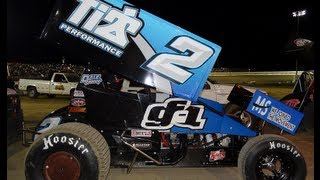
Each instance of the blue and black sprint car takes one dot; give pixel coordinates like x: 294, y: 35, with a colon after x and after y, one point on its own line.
x: 165, y: 123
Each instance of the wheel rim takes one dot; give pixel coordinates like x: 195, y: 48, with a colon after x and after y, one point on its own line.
x: 61, y: 166
x: 275, y: 165
x: 245, y: 118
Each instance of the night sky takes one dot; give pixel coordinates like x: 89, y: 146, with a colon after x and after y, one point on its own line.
x: 253, y: 36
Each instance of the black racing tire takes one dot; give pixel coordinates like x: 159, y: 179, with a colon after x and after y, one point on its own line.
x: 66, y: 152
x: 267, y: 155
x: 245, y: 118
x: 32, y: 92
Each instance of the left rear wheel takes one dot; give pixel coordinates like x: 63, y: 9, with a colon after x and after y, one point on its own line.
x: 70, y: 151
x: 271, y: 157
x: 244, y: 117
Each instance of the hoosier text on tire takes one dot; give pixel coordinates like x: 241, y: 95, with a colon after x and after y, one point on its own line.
x: 271, y: 157
x: 68, y: 152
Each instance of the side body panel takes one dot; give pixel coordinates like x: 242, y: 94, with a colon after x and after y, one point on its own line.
x: 41, y: 85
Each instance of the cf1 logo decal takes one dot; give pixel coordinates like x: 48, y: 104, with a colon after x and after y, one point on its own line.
x: 173, y: 112
x: 192, y: 54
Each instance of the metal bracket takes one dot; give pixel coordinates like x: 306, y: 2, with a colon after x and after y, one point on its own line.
x: 24, y: 140
x: 132, y: 162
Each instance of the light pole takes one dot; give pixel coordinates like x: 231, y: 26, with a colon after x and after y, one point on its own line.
x: 297, y: 14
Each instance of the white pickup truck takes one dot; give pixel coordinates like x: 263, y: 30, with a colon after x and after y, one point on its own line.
x: 59, y: 84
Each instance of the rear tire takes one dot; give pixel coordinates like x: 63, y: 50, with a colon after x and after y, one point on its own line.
x: 271, y: 157
x: 32, y: 92
x: 66, y: 152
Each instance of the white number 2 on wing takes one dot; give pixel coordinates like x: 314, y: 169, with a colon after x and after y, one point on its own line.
x: 172, y: 65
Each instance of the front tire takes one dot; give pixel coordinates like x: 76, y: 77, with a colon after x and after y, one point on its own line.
x: 66, y: 152
x: 271, y: 157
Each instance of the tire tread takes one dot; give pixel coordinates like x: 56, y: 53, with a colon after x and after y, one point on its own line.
x: 255, y: 142
x: 92, y: 136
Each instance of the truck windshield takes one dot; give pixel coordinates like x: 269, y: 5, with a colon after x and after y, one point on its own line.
x: 72, y: 77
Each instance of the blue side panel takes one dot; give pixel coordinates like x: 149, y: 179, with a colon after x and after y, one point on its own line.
x: 217, y: 123
x: 159, y: 33
x: 275, y: 112
x: 213, y: 124
x: 231, y: 126
x: 213, y: 104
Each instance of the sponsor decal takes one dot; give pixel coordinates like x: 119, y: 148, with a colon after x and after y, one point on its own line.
x: 78, y: 102
x: 176, y: 67
x: 102, y: 25
x: 173, y: 112
x: 284, y: 146
x: 77, y: 109
x: 217, y: 155
x: 292, y: 102
x: 47, y: 124
x: 142, y: 145
x: 51, y: 141
x: 87, y: 79
x: 280, y: 118
x: 59, y: 87
x: 303, y: 42
x: 140, y: 133
x: 275, y: 112
x: 78, y: 93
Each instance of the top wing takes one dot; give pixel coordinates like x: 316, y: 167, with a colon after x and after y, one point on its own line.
x: 134, y: 43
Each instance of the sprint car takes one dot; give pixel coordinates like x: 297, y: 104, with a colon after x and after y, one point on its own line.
x: 103, y: 127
